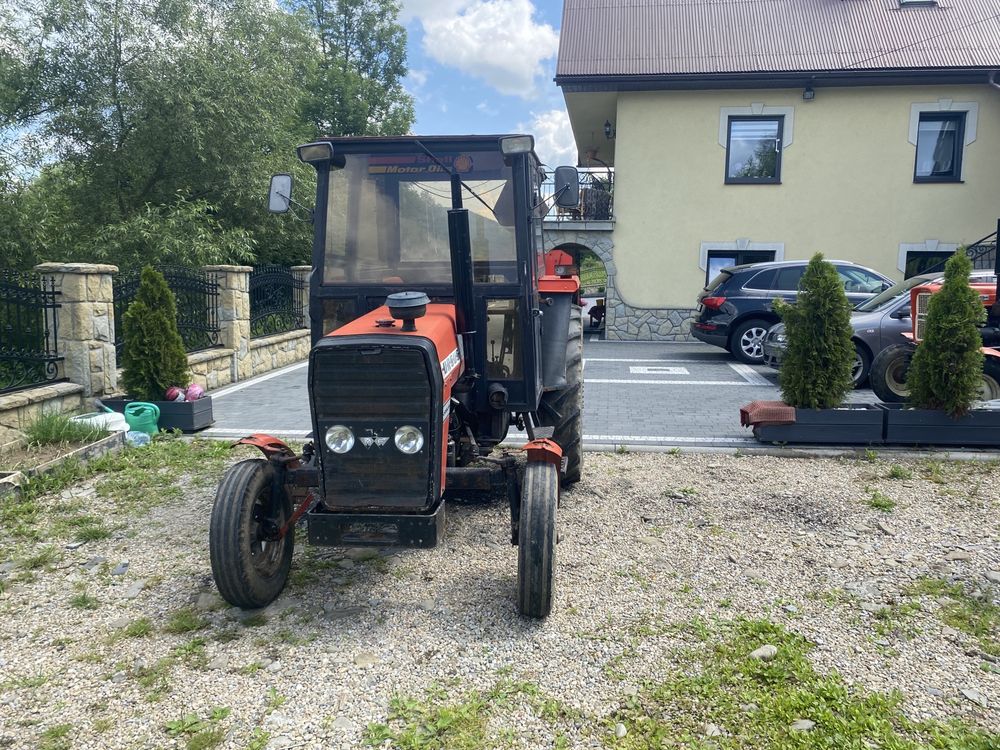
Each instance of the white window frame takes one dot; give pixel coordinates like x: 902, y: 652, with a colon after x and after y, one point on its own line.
x: 927, y: 246
x: 742, y: 244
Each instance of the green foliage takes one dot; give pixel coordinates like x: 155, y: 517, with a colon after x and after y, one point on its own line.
x: 144, y: 131
x: 153, y: 357
x: 721, y: 680
x: 816, y: 370
x: 54, y: 428
x: 946, y: 371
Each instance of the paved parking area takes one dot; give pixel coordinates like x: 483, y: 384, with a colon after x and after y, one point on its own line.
x: 657, y: 394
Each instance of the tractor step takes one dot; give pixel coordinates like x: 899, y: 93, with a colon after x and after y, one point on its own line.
x: 334, y: 529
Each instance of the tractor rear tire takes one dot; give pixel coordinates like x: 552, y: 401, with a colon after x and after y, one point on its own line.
x: 249, y: 571
x: 563, y: 409
x: 536, y: 542
x: 888, y: 373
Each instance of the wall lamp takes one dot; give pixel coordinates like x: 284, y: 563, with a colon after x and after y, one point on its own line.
x: 809, y: 94
x: 609, y: 131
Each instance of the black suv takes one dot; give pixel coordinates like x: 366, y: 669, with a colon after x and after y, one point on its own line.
x: 735, y: 309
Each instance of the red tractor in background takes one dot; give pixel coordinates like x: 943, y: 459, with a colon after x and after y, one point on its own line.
x: 438, y: 323
x: 890, y: 366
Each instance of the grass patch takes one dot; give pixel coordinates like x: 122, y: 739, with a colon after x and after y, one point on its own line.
x: 185, y: 620
x: 900, y: 472
x: 83, y: 600
x: 133, y: 479
x: 56, y: 738
x: 880, y: 501
x: 45, y: 558
x: 200, y: 734
x: 719, y: 679
x: 100, y: 726
x: 254, y: 621
x: 137, y: 629
x: 155, y: 679
x: 436, y: 721
x: 979, y: 618
x: 258, y: 739
x: 55, y: 428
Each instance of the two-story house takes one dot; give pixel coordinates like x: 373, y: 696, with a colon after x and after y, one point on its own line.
x: 751, y: 130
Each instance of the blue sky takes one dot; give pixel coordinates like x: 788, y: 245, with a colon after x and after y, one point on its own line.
x: 486, y: 66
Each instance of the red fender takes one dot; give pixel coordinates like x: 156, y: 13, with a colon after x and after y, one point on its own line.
x: 544, y: 449
x: 270, y: 446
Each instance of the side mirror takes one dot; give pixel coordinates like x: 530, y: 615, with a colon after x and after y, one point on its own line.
x: 567, y: 192
x: 901, y: 314
x: 280, y: 196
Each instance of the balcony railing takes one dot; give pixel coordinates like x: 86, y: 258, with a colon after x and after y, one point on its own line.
x: 597, y: 190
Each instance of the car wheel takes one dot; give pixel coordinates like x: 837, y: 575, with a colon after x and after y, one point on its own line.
x: 862, y: 365
x: 747, y: 343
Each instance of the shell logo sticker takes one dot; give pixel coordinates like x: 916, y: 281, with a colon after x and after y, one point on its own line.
x: 463, y: 164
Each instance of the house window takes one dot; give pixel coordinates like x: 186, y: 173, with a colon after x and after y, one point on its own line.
x: 923, y: 261
x: 753, y: 150
x: 940, y: 137
x: 719, y: 259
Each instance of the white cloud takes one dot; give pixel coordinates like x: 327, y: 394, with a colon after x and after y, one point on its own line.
x: 416, y: 78
x: 486, y: 109
x: 497, y: 41
x: 554, y: 141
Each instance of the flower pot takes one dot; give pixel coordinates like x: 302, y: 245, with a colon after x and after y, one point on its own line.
x: 977, y: 428
x: 187, y: 416
x: 850, y: 424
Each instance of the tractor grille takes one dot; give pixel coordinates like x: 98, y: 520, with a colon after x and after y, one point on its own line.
x: 920, y: 315
x: 373, y: 390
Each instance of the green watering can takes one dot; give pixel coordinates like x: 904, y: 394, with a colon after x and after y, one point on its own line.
x: 142, y: 417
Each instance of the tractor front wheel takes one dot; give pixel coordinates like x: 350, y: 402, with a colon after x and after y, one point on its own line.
x: 536, y: 542
x: 563, y: 409
x: 250, y: 566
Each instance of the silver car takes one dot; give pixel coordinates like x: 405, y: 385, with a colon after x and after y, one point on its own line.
x: 878, y: 323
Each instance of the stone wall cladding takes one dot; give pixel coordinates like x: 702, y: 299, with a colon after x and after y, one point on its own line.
x: 21, y: 408
x: 212, y: 368
x: 280, y: 350
x: 622, y: 321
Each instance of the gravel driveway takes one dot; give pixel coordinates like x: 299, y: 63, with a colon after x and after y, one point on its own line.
x: 654, y: 547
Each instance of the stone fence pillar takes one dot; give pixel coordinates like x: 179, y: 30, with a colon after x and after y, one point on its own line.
x: 86, y: 321
x: 301, y: 275
x: 234, y: 315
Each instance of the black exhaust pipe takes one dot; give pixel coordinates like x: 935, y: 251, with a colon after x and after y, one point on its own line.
x: 460, y: 243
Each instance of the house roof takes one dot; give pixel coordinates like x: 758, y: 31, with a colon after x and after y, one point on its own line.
x: 736, y: 38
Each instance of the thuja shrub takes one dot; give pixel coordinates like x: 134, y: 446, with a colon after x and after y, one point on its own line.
x: 816, y: 369
x: 946, y: 371
x: 153, y: 357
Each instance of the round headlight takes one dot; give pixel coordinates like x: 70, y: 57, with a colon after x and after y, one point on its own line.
x: 339, y: 439
x: 409, y: 439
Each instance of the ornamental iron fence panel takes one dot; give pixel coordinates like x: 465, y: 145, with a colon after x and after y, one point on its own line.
x: 982, y: 253
x: 277, y: 299
x: 597, y: 190
x: 29, y: 353
x: 197, y: 295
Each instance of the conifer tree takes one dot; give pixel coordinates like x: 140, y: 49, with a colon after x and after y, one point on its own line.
x: 946, y: 371
x: 816, y: 369
x: 153, y: 357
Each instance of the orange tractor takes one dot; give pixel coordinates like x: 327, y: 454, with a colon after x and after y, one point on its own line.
x: 890, y: 366
x: 438, y: 324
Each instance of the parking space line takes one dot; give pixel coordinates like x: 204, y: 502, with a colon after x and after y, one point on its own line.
x: 749, y: 374
x: 689, y: 361
x: 657, y: 370
x: 663, y: 439
x: 626, y: 381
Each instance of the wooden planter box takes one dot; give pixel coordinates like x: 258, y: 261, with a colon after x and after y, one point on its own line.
x: 978, y: 428
x: 187, y: 416
x: 850, y: 424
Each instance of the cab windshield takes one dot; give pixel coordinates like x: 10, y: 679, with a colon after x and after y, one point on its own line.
x: 891, y: 294
x: 387, y: 219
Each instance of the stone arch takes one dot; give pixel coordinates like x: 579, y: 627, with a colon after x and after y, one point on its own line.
x: 600, y: 244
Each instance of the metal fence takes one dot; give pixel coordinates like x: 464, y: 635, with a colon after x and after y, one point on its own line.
x: 277, y: 299
x: 597, y: 190
x: 197, y: 296
x: 982, y: 253
x: 29, y: 354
